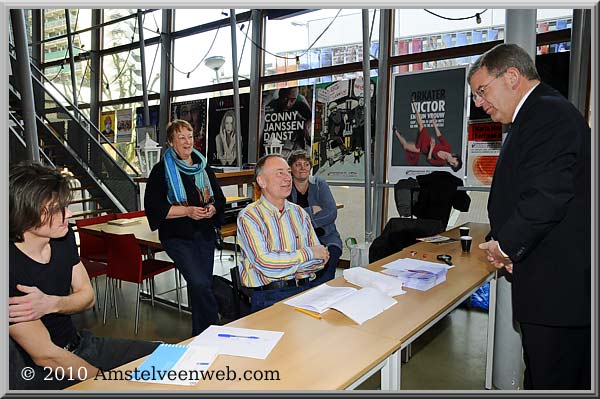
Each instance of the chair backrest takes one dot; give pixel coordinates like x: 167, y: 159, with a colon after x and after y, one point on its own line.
x: 130, y: 215
x: 92, y: 246
x: 124, y: 257
x: 399, y: 233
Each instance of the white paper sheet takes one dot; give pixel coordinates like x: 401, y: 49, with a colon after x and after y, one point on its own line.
x: 364, y: 304
x: 320, y: 299
x: 362, y: 277
x: 243, y: 342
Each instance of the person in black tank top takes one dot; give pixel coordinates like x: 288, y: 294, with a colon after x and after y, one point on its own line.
x: 48, y: 283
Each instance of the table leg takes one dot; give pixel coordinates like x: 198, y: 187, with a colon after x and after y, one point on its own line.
x: 490, y: 333
x: 390, y: 373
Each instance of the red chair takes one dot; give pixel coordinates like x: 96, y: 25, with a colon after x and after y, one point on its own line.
x: 92, y: 249
x: 130, y: 215
x: 125, y: 263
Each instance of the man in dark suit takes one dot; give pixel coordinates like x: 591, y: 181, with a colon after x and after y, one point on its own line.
x: 539, y: 211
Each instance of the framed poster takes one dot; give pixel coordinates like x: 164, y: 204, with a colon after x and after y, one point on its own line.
x: 286, y: 120
x: 195, y: 113
x: 485, y: 141
x: 427, y: 130
x: 108, y: 120
x: 124, y: 125
x: 222, y: 138
x: 340, y: 131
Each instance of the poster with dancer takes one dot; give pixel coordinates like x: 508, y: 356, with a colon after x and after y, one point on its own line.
x: 427, y: 129
x: 339, y: 137
x: 222, y: 139
x: 195, y: 113
x: 286, y: 120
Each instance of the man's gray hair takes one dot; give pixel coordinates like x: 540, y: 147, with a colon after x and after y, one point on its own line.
x: 503, y: 56
x: 261, y: 163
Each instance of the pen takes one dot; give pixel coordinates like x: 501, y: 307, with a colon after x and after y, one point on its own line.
x: 311, y: 314
x: 237, y: 336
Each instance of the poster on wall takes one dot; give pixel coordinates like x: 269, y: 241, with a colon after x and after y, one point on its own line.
x: 427, y: 129
x: 154, y: 131
x: 195, y: 113
x: 124, y: 125
x: 340, y: 131
x: 286, y: 120
x: 222, y: 139
x: 107, y: 125
x: 483, y: 148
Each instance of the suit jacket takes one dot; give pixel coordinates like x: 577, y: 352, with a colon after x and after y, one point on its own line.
x: 539, y: 210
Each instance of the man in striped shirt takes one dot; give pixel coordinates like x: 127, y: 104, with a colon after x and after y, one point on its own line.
x: 280, y: 249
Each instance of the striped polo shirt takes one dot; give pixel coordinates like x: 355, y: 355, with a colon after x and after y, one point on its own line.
x: 275, y: 243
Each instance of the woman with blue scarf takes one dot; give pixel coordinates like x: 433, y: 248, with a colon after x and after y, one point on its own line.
x: 184, y: 201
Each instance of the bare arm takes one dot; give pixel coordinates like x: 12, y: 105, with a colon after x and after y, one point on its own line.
x: 435, y: 126
x: 36, y: 303
x: 419, y: 120
x: 34, y: 338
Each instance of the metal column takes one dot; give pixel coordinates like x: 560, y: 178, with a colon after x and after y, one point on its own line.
x: 508, y: 366
x: 166, y: 52
x: 236, y: 86
x: 369, y: 236
x: 95, y: 76
x: 71, y: 56
x: 579, y: 65
x: 140, y: 18
x: 36, y: 57
x: 23, y: 74
x: 256, y: 68
x: 383, y: 74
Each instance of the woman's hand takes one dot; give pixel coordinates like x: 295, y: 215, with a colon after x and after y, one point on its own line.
x: 316, y: 209
x: 201, y: 212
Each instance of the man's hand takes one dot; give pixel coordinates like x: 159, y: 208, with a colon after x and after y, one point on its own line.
x: 32, y: 306
x: 320, y: 252
x: 495, y: 256
x: 316, y: 209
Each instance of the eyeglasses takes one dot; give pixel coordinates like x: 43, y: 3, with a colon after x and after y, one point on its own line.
x: 481, y: 90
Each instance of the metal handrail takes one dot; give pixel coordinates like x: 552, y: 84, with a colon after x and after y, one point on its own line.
x: 81, y: 116
x: 22, y: 141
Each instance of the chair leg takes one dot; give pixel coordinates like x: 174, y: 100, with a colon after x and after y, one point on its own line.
x: 115, y: 298
x: 106, y: 289
x: 137, y: 308
x: 177, y: 288
x: 151, y: 282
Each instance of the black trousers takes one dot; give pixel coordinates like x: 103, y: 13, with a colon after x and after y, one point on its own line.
x: 102, y: 352
x: 556, y: 357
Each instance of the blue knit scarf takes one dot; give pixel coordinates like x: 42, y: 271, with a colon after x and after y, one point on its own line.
x: 176, y: 192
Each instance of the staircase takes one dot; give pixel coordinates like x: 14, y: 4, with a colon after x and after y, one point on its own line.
x: 69, y: 141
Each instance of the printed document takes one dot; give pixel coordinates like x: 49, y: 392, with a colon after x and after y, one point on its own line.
x: 359, y: 305
x: 243, y: 342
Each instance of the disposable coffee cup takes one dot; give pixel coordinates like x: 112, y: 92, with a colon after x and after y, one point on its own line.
x: 465, y: 243
x: 464, y: 231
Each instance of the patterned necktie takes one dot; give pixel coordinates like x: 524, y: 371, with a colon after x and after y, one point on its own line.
x: 504, y: 144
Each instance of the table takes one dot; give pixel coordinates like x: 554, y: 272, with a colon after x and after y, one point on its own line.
x: 142, y: 232
x: 301, y: 364
x: 326, y: 362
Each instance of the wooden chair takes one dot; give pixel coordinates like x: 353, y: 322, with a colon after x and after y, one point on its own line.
x: 92, y: 250
x: 125, y: 264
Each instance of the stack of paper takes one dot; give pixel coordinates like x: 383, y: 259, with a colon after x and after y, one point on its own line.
x: 124, y: 222
x: 320, y: 298
x: 362, y: 277
x: 176, y: 364
x: 417, y: 274
x: 359, y: 305
x: 243, y: 342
